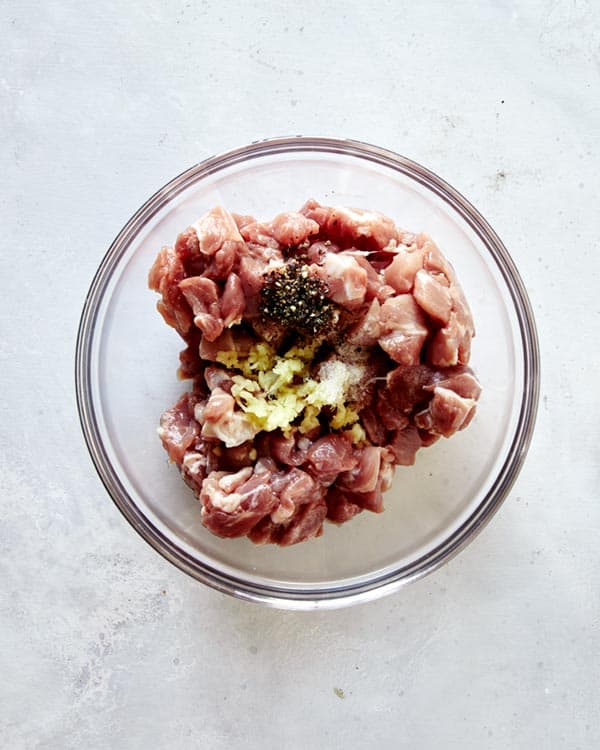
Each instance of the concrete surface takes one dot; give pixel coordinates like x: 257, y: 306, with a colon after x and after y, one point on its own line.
x: 105, y: 645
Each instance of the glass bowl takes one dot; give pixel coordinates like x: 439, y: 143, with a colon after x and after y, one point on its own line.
x: 126, y: 364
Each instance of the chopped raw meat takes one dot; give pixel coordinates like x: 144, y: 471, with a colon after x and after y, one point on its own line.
x: 187, y: 246
x: 222, y: 262
x: 404, y: 329
x: 202, y: 296
x: 434, y: 261
x: 446, y: 414
x: 319, y: 250
x: 390, y: 416
x: 372, y: 500
x: 295, y: 486
x: 376, y: 431
x: 290, y: 451
x: 433, y: 297
x: 404, y: 445
x: 233, y: 510
x: 325, y: 348
x: 366, y: 230
x: 401, y: 272
x: 339, y: 508
x: 460, y: 380
x: 330, y: 455
x: 407, y: 386
x: 368, y: 330
x: 260, y: 235
x: 194, y: 469
x: 293, y: 228
x: 164, y: 277
x: 190, y: 363
x: 445, y: 345
x: 229, y: 341
x: 232, y: 302
x: 363, y: 477
x: 242, y: 220
x: 251, y: 272
x: 222, y: 421
x: 374, y: 279
x: 269, y: 330
x: 216, y: 228
x: 218, y: 377
x: 306, y: 523
x: 346, y: 280
x: 178, y: 428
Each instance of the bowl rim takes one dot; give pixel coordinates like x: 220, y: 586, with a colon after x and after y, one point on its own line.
x: 337, y: 595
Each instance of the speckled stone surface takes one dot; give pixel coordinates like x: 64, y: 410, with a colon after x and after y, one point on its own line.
x: 103, y: 644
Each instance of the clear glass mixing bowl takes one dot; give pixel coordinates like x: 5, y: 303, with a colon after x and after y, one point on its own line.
x: 126, y: 364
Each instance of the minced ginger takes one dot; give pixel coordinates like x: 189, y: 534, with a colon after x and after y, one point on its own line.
x: 276, y: 390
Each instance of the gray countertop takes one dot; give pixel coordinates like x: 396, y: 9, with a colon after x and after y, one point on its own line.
x: 103, y: 644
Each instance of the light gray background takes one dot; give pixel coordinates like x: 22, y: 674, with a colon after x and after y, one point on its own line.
x: 102, y: 643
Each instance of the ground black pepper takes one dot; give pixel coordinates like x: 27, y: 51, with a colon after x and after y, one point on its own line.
x: 294, y: 297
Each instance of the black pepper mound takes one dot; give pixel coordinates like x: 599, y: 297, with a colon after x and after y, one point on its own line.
x: 297, y: 299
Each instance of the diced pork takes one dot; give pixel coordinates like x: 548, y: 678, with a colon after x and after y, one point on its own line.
x: 293, y: 228
x: 194, y: 469
x: 202, y: 296
x: 401, y: 272
x: 330, y: 455
x: 232, y: 303
x: 434, y: 261
x: 375, y: 280
x: 346, y: 280
x: 293, y: 488
x: 178, y: 428
x: 187, y: 246
x: 407, y: 386
x: 373, y: 425
x: 461, y: 380
x: 465, y: 321
x: 362, y: 477
x: 229, y: 341
x: 404, y: 329
x: 433, y: 297
x: 443, y: 350
x: 290, y: 451
x: 251, y: 271
x: 319, y: 250
x: 190, y: 363
x: 214, y: 229
x: 222, y: 262
x: 241, y: 220
x: 339, y: 508
x: 164, y: 277
x: 404, y: 445
x: 269, y: 330
x: 221, y: 420
x: 390, y: 416
x: 446, y: 413
x: 368, y: 329
x: 233, y: 508
x: 231, y: 459
x: 306, y: 523
x: 352, y: 227
x: 218, y: 377
x: 372, y: 478
x: 259, y: 235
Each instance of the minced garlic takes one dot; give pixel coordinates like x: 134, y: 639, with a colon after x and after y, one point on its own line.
x: 276, y: 390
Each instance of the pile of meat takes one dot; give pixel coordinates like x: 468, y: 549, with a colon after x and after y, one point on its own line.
x: 390, y: 306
